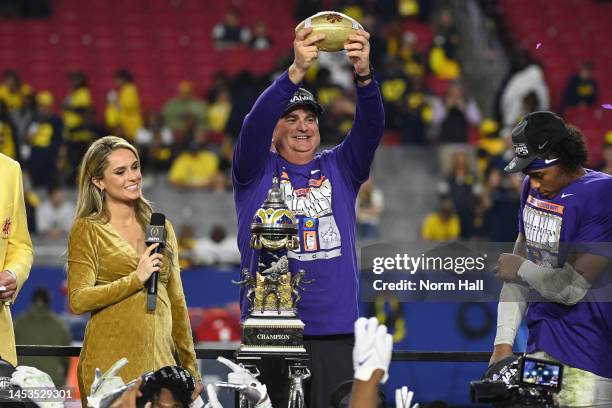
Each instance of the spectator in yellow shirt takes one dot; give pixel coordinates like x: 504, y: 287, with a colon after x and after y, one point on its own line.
x: 196, y: 168
x: 77, y: 102
x: 123, y: 115
x: 44, y: 139
x: 219, y: 109
x: 79, y: 130
x: 12, y: 90
x: 440, y: 64
x: 8, y: 135
x: 442, y: 225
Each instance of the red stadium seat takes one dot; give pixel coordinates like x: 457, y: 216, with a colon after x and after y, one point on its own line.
x: 103, y: 36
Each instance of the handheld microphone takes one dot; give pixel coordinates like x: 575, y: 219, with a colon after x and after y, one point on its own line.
x: 155, y: 233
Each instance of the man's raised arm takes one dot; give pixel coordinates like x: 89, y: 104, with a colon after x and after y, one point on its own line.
x: 255, y: 136
x: 360, y: 144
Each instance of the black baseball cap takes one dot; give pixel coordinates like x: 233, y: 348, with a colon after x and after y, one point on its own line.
x: 533, y: 137
x: 302, y: 98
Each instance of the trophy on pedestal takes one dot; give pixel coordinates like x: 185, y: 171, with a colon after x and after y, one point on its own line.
x: 272, y: 328
x: 273, y: 294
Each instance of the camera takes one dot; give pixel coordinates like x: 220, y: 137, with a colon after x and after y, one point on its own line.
x: 519, y: 382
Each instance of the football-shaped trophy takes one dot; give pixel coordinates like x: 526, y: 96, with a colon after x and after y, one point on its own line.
x: 336, y: 26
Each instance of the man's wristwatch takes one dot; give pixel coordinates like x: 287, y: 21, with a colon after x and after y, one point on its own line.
x: 364, y: 78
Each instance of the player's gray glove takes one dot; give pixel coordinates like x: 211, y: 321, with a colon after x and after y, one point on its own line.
x: 30, y: 377
x: 106, y: 384
x: 241, y: 380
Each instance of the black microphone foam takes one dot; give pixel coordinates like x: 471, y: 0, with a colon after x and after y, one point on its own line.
x: 155, y: 232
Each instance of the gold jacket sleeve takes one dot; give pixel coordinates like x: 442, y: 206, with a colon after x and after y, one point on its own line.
x: 83, y: 293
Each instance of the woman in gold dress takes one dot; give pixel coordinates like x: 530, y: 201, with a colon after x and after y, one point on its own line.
x: 108, y: 265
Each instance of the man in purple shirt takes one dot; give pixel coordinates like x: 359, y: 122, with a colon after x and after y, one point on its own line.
x: 320, y: 189
x: 562, y: 257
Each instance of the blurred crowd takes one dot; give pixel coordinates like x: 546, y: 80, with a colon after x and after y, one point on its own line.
x: 188, y: 141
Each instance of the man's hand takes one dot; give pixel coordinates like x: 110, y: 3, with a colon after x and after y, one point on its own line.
x: 305, y: 52
x: 508, y: 266
x: 198, y: 390
x: 373, y: 348
x: 129, y: 397
x: 358, y: 50
x: 500, y: 352
x: 10, y: 286
x: 365, y: 393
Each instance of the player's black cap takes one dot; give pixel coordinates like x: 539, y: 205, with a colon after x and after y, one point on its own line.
x: 302, y: 98
x: 176, y: 379
x: 535, y: 135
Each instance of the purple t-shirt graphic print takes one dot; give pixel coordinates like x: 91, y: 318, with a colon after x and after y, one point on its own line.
x: 579, y: 335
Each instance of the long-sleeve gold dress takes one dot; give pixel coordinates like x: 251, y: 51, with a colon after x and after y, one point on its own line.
x: 102, y: 280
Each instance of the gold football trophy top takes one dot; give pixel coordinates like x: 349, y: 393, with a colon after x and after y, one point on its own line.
x: 336, y: 27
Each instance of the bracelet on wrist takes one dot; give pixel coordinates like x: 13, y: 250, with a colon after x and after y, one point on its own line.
x: 364, y: 78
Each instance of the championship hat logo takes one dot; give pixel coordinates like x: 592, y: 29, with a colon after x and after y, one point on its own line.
x: 521, y: 149
x: 301, y: 98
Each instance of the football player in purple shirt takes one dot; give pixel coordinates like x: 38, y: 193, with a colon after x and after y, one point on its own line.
x: 320, y: 188
x: 560, y: 257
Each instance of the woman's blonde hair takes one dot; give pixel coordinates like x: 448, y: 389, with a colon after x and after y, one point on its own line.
x: 90, y: 199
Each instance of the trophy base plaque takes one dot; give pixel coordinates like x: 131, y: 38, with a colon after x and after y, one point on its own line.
x: 273, y: 333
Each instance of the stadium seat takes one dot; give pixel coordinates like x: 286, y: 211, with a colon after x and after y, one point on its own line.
x: 579, y: 32
x: 100, y: 37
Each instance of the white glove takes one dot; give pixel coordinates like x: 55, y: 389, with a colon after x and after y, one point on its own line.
x: 373, y: 348
x: 105, y: 384
x: 403, y: 398
x: 241, y: 380
x: 30, y: 377
x: 213, y: 401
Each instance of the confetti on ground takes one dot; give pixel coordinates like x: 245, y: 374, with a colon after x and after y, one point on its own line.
x: 538, y: 45
x: 607, y: 106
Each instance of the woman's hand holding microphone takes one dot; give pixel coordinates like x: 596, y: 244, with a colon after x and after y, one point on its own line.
x: 149, y: 263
